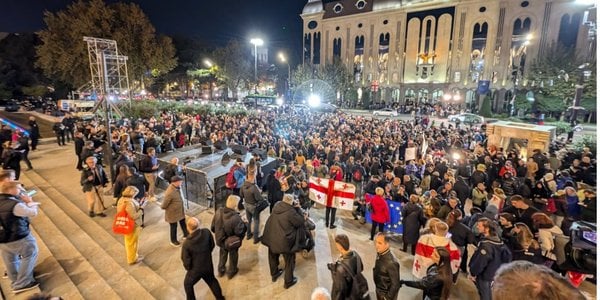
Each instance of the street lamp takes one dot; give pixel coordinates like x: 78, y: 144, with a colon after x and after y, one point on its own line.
x: 208, y: 63
x: 256, y: 42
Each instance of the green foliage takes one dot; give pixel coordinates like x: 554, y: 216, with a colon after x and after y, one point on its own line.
x: 17, y: 57
x: 589, y: 104
x: 366, y: 98
x: 486, y: 107
x: 586, y: 141
x: 235, y: 65
x: 548, y: 103
x: 561, y: 127
x: 36, y: 90
x: 63, y: 53
x: 500, y: 116
x: 151, y: 108
x: 4, y: 92
x: 521, y: 102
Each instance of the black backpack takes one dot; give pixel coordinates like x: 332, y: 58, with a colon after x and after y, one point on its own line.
x: 360, y: 287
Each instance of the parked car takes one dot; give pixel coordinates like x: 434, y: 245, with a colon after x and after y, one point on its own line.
x: 390, y: 112
x: 327, y: 107
x: 12, y: 106
x: 467, y: 118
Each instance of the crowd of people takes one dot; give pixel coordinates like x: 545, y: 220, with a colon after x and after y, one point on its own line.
x: 466, y: 206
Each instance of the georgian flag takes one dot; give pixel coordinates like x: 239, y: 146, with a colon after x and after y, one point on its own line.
x: 425, y: 247
x: 332, y: 193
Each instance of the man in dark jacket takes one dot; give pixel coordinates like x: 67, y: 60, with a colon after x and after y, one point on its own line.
x: 196, y: 256
x: 279, y: 236
x: 79, y: 145
x: 93, y: 180
x: 149, y: 167
x: 349, y: 261
x: 462, y: 188
x: 34, y: 133
x: 386, y: 273
x: 487, y: 259
x: 23, y: 147
x: 252, y: 195
x: 227, y: 223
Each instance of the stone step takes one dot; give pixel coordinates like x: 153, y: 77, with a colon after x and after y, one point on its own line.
x: 112, y: 245
x: 5, y: 282
x: 117, y: 281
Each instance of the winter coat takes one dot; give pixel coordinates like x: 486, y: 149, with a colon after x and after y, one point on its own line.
x: 250, y: 193
x: 342, y: 281
x: 281, y: 228
x: 88, y: 185
x: 227, y: 222
x: 462, y: 189
x: 412, y: 221
x: 546, y: 240
x: 479, y: 197
x: 196, y: 253
x: 132, y: 207
x: 173, y: 205
x: 461, y: 235
x: 381, y: 212
x: 488, y: 258
x: 432, y: 284
x: 386, y: 275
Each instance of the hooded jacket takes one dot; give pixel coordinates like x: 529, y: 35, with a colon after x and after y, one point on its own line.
x: 196, y: 253
x: 281, y: 228
x: 250, y: 193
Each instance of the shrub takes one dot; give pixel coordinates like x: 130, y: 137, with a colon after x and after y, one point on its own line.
x: 586, y: 141
x: 561, y: 127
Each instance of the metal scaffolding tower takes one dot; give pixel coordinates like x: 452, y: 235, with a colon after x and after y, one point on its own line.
x: 108, y: 70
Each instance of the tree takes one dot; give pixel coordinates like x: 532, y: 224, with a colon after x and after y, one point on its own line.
x: 17, y: 66
x: 234, y: 66
x: 554, y: 76
x: 63, y: 53
x: 36, y: 90
x: 486, y: 107
x: 324, y: 80
x: 522, y: 104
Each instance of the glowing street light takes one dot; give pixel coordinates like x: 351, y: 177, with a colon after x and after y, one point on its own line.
x: 314, y: 100
x: 208, y: 63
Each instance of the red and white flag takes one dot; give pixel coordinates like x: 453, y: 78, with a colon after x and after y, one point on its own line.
x: 332, y: 193
x: 425, y: 247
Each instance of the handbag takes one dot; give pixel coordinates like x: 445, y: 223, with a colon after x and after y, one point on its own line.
x: 261, y: 205
x: 123, y: 223
x: 233, y: 242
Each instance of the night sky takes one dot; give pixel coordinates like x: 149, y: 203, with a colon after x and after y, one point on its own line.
x: 214, y: 22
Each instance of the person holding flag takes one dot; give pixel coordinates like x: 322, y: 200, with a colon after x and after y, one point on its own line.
x: 333, y: 194
x: 426, y: 245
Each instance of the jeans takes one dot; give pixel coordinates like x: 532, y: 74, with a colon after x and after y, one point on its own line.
x: 252, y: 215
x: 174, y: 230
x: 19, y: 258
x: 191, y: 278
x: 484, y: 288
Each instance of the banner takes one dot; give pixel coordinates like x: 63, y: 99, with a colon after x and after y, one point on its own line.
x: 483, y: 87
x: 332, y: 193
x: 410, y: 154
x: 395, y: 224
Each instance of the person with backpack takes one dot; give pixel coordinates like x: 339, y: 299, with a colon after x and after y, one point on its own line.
x: 252, y: 196
x: 346, y: 272
x: 236, y: 177
x: 491, y: 253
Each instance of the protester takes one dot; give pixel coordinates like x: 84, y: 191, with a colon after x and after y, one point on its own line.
x: 174, y: 212
x: 380, y: 213
x: 344, y: 268
x: 196, y: 255
x: 438, y: 281
x: 531, y: 281
x: 228, y: 223
x: 386, y: 273
x: 279, y: 236
x: 128, y: 203
x: 252, y: 196
x: 93, y: 180
x: 149, y: 166
x: 18, y: 247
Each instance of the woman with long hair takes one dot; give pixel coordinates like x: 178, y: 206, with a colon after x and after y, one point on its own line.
x: 524, y: 246
x: 546, y: 231
x: 438, y: 281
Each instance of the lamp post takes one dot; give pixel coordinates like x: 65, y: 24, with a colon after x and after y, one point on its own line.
x: 256, y: 42
x: 283, y: 59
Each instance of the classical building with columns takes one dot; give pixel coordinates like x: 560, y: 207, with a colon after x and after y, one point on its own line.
x: 426, y: 51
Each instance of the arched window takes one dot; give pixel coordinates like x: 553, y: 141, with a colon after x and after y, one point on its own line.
x: 569, y: 26
x: 477, y: 51
x: 307, y: 47
x: 317, y: 48
x: 337, y: 47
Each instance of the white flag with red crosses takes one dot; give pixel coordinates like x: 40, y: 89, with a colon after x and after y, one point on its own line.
x: 332, y: 193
